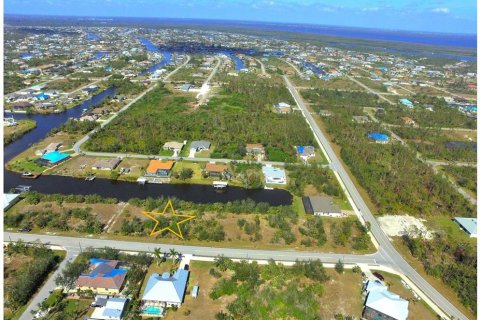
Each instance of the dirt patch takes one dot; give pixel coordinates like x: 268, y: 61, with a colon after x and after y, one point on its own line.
x: 397, y: 226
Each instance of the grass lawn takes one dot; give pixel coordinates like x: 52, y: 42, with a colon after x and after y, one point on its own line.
x: 25, y: 165
x: 12, y: 133
x: 80, y: 308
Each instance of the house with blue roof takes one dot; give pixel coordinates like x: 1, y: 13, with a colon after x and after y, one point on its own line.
x: 407, y: 103
x: 379, y: 137
x: 42, y: 96
x: 306, y: 152
x: 383, y: 304
x: 163, y: 291
x: 53, y: 158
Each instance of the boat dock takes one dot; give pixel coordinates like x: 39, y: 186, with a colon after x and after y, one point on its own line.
x: 220, y: 185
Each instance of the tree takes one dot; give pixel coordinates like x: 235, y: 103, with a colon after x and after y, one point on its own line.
x: 68, y: 277
x: 174, y: 254
x: 185, y: 173
x: 339, y: 266
x: 158, y: 255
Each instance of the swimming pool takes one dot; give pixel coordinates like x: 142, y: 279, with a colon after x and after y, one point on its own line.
x: 153, y: 310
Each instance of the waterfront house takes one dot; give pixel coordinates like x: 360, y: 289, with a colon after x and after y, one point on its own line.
x: 106, y: 164
x: 200, y: 145
x: 321, y: 206
x: 52, y: 158
x: 158, y: 168
x: 108, y: 308
x: 379, y: 137
x: 42, y: 96
x: 103, y: 277
x: 274, y: 175
x: 215, y: 170
x: 163, y: 291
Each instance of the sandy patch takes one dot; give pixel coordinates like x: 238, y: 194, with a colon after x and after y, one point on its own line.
x: 397, y: 226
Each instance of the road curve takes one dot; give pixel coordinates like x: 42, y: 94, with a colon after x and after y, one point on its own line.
x: 388, y: 253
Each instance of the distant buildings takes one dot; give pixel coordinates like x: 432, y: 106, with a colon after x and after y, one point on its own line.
x: 103, y: 277
x: 469, y: 225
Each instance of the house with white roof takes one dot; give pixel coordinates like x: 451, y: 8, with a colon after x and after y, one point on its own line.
x: 383, y: 304
x: 274, y: 175
x: 164, y: 291
x: 108, y: 308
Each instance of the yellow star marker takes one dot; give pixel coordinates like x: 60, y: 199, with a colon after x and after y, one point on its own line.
x: 178, y: 233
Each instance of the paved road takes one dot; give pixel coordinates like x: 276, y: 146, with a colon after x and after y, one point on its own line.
x: 262, y: 66
x: 369, y: 89
x: 387, y: 254
x: 77, y: 145
x: 293, y: 66
x: 203, y: 94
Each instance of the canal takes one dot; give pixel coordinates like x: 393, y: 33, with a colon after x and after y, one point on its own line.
x: 121, y: 190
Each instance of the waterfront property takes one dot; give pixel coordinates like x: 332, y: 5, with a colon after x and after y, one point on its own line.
x: 50, y: 148
x: 378, y: 137
x: 383, y: 304
x: 216, y: 170
x: 108, y: 308
x: 163, y: 291
x: 321, y: 206
x: 158, y: 168
x: 106, y: 164
x: 274, y: 175
x: 53, y: 158
x: 469, y: 225
x: 103, y: 277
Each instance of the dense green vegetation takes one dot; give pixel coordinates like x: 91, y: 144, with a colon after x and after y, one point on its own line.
x: 465, y: 177
x: 452, y: 260
x: 270, y: 292
x: 442, y: 116
x: 321, y: 178
x: 433, y: 144
x: 241, y: 114
x: 75, y: 126
x: 67, y: 85
x: 30, y: 276
x: 12, y: 83
x: 395, y: 179
x: 124, y: 87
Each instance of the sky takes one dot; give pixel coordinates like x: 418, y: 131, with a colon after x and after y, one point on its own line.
x: 453, y: 16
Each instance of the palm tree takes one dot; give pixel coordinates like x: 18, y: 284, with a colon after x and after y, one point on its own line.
x: 158, y: 255
x: 173, y: 254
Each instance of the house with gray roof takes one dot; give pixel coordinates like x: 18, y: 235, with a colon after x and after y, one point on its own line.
x: 165, y: 290
x: 469, y: 225
x: 321, y: 206
x: 108, y: 308
x: 200, y: 145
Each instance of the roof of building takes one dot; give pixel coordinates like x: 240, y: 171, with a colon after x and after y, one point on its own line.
x: 378, y: 136
x: 200, y: 144
x: 186, y: 87
x: 323, y: 204
x: 406, y: 102
x: 173, y: 145
x: 156, y: 165
x: 254, y: 146
x: 306, y: 151
x: 106, y: 163
x: 468, y: 224
x: 375, y: 285
x: 102, y: 274
x: 55, y: 156
x: 282, y: 105
x: 213, y: 167
x: 273, y: 173
x: 9, y: 199
x: 112, y: 308
x: 388, y: 303
x: 166, y: 288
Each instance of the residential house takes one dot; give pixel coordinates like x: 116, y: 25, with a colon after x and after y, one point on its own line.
x: 108, y: 308
x: 173, y: 146
x: 274, y: 175
x: 306, y: 152
x: 50, y: 148
x: 9, y: 122
x: 103, y: 277
x: 158, y: 168
x: 379, y: 137
x: 469, y: 225
x: 407, y: 103
x: 42, y: 96
x: 106, y: 164
x: 200, y: 145
x: 164, y: 291
x: 282, y: 107
x: 361, y: 119
x: 53, y: 158
x: 321, y: 206
x: 186, y: 87
x: 325, y: 113
x: 408, y: 121
x: 255, y: 148
x: 383, y: 304
x: 216, y: 170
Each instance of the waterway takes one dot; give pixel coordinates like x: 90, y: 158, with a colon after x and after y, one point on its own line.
x: 239, y: 64
x: 166, y: 55
x: 118, y: 189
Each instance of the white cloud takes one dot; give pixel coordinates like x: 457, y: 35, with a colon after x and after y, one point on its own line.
x: 371, y: 9
x: 441, y: 10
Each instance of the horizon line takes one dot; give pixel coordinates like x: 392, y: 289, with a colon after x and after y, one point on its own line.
x: 250, y: 21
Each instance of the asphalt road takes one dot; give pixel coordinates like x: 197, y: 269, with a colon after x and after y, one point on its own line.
x: 387, y: 255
